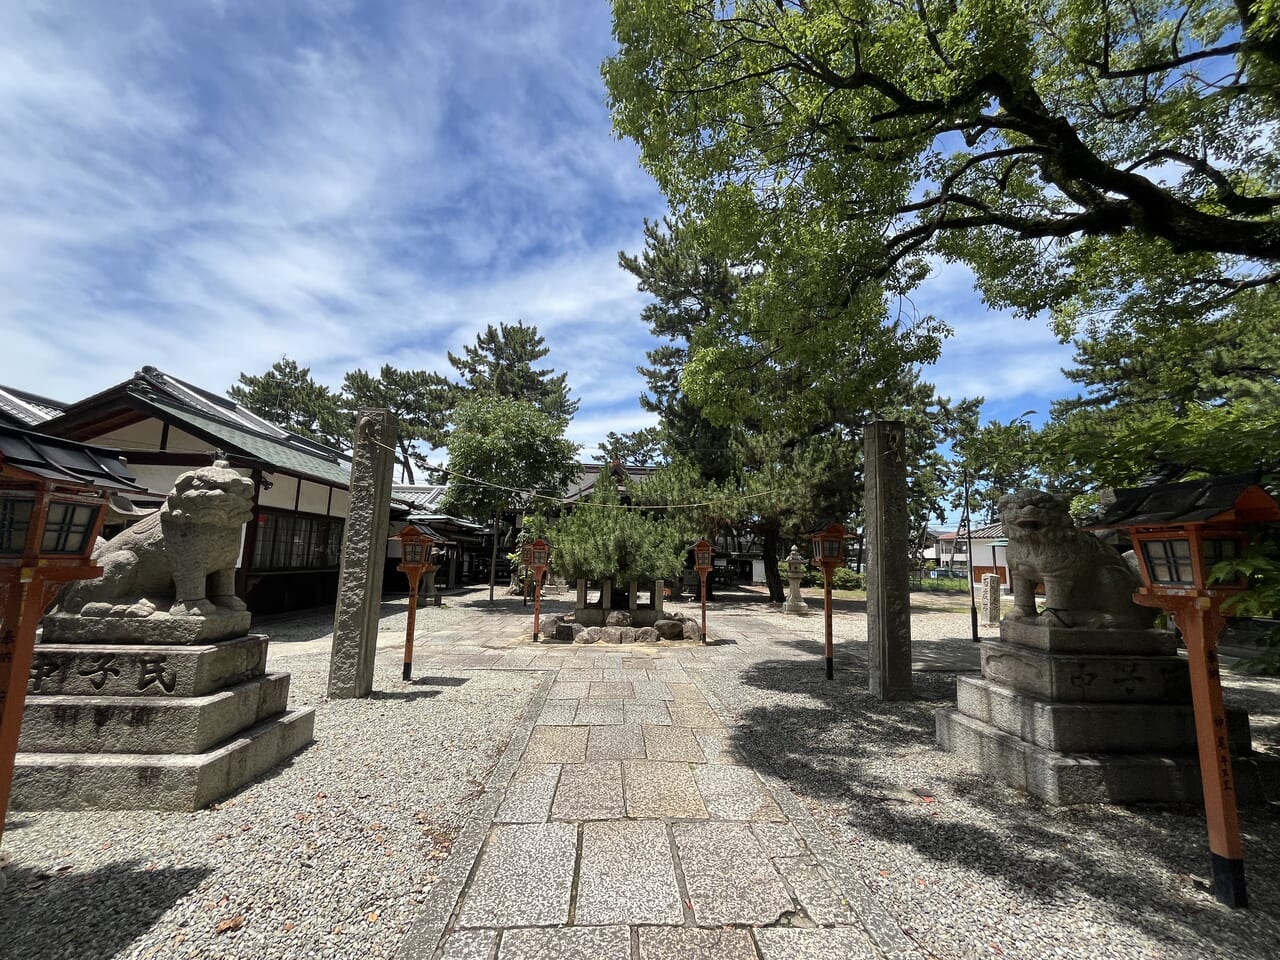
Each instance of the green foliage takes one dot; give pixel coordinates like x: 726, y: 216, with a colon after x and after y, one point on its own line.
x: 602, y: 540
x: 842, y: 578
x: 414, y: 397
x: 500, y: 363
x: 503, y: 451
x: 1259, y: 567
x: 288, y: 397
x: 1108, y: 162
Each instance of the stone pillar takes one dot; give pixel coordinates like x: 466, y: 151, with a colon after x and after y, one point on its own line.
x: 888, y: 583
x: 582, y: 594
x: 633, y: 600
x: 606, y: 595
x: 990, y: 599
x: 658, y: 587
x: 364, y: 554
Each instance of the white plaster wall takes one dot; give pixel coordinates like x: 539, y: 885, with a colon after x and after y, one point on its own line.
x: 341, y: 503
x: 282, y: 492
x: 315, y: 498
x: 182, y: 442
x: 157, y: 478
x: 137, y: 436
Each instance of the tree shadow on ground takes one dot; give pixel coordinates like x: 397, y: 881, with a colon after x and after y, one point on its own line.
x: 44, y: 915
x: 856, y: 757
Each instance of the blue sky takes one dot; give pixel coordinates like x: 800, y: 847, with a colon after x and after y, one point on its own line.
x: 207, y: 186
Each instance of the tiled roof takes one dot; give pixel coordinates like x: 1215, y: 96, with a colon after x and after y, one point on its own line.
x: 992, y: 531
x: 26, y: 409
x: 65, y: 461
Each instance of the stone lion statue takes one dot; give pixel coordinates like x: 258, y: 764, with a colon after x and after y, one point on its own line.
x: 181, y: 558
x: 1086, y: 583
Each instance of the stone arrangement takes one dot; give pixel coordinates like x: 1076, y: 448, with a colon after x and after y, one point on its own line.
x: 146, y: 690
x: 620, y: 627
x: 1071, y: 706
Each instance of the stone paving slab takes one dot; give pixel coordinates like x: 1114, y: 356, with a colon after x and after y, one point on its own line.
x: 817, y: 894
x: 692, y: 943
x: 589, y: 791
x: 717, y: 745
x: 470, y: 945
x: 618, y: 742
x: 569, y: 690
x: 672, y: 743
x: 524, y: 877
x: 558, y: 713
x: 657, y: 789
x: 627, y: 874
x: 599, y: 711
x: 529, y: 794
x: 734, y: 793
x: 693, y: 715
x: 782, y: 943
x: 567, y: 943
x: 625, y: 674
x: 651, y: 690
x: 686, y: 693
x: 646, y: 711
x: 779, y: 839
x: 557, y: 745
x: 608, y: 690
x: 728, y: 876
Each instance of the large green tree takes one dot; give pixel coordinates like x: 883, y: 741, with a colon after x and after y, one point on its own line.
x: 289, y: 397
x: 504, y: 456
x: 417, y: 399
x: 1109, y: 161
x: 501, y: 364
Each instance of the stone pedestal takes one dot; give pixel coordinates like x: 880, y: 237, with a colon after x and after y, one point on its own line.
x: 795, y: 602
x: 150, y: 725
x: 1089, y: 716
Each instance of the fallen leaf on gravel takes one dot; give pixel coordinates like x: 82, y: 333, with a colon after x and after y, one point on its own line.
x: 230, y: 923
x: 373, y: 917
x: 338, y: 928
x: 289, y: 925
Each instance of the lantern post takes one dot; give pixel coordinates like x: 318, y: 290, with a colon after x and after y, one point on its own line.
x: 539, y: 560
x: 415, y: 560
x: 53, y: 499
x: 1179, y: 532
x: 702, y: 552
x: 828, y: 552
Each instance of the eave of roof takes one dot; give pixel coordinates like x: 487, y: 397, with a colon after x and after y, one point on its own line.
x: 65, y: 461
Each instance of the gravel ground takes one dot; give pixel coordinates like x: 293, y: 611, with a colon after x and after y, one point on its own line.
x: 969, y: 867
x: 328, y: 856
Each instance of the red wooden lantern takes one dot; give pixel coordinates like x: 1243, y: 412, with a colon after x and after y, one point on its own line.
x: 702, y: 562
x: 539, y: 559
x: 828, y: 552
x: 415, y: 560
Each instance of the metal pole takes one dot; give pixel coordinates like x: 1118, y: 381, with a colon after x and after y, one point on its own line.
x: 826, y: 590
x: 408, y: 637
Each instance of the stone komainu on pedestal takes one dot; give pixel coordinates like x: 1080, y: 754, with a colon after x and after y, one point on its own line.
x: 1082, y: 702
x: 147, y: 691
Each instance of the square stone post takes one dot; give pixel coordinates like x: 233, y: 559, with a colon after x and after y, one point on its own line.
x: 657, y: 599
x: 888, y: 582
x: 606, y: 595
x: 364, y: 555
x: 582, y: 594
x: 633, y: 596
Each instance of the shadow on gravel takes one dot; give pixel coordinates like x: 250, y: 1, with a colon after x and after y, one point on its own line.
x: 404, y: 694
x: 47, y: 915
x: 1122, y: 856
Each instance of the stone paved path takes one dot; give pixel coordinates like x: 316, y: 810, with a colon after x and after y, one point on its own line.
x: 622, y: 825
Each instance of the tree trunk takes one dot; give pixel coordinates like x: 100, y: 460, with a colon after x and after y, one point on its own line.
x: 493, y: 560
x: 771, y: 575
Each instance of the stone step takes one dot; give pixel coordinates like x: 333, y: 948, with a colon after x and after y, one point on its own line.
x: 1062, y: 778
x: 1087, y: 678
x: 122, y: 781
x: 154, y: 725
x: 1091, y: 728
x: 118, y: 670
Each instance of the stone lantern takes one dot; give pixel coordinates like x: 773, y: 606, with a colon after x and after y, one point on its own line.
x: 796, y: 565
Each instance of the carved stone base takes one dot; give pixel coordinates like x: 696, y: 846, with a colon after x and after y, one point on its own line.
x: 180, y: 782
x: 1090, y: 716
x: 1062, y: 778
x: 165, y: 727
x: 157, y: 628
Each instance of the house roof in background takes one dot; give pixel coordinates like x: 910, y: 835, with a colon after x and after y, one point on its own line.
x: 991, y: 531
x: 592, y: 472
x: 24, y: 409
x: 219, y: 421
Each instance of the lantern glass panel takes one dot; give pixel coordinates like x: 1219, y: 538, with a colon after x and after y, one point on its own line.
x: 15, y: 518
x: 1170, y: 561
x: 68, y: 527
x: 1217, y: 550
x: 412, y: 552
x: 539, y: 556
x: 832, y: 548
